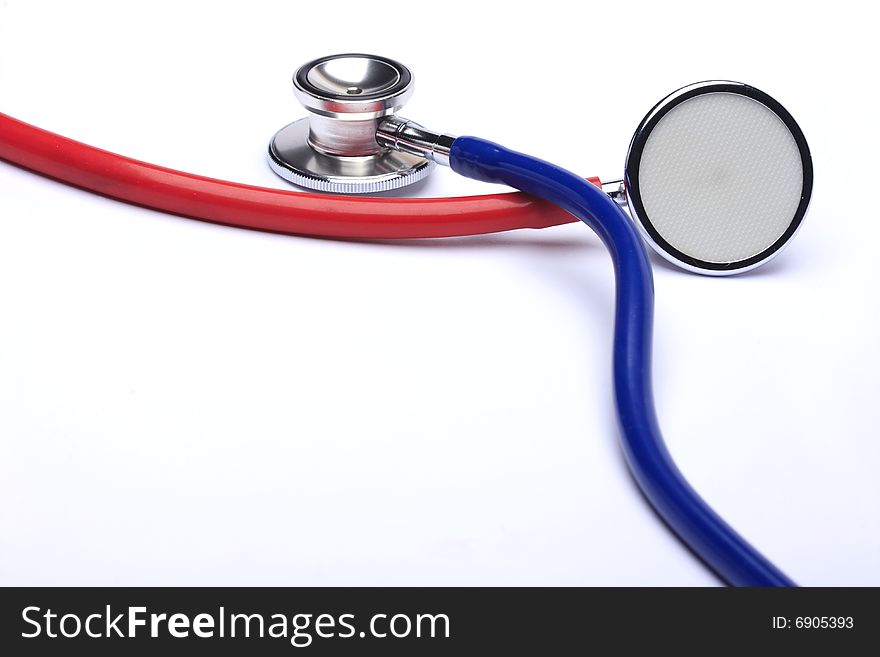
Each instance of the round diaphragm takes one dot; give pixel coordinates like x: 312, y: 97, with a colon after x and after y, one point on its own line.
x: 718, y: 177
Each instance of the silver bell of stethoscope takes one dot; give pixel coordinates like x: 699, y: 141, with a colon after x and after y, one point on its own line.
x: 718, y: 175
x: 335, y: 149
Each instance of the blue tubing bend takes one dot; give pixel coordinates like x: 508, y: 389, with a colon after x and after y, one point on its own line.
x: 712, y: 539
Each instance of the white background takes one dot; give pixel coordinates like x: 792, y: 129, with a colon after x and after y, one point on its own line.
x: 184, y: 403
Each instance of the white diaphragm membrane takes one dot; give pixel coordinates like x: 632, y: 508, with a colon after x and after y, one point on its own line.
x: 720, y: 177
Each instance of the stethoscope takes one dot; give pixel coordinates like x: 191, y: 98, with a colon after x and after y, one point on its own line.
x: 718, y: 178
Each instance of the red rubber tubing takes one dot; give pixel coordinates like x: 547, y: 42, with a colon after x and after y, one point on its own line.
x: 264, y: 208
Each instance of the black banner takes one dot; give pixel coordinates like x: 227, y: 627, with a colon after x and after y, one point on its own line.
x: 419, y: 621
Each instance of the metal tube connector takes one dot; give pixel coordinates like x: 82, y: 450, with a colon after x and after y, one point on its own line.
x: 407, y: 136
x: 616, y: 189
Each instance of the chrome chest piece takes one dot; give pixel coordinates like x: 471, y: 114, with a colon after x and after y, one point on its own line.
x: 335, y: 149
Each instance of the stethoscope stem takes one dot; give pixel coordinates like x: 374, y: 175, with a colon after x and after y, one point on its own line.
x: 407, y: 136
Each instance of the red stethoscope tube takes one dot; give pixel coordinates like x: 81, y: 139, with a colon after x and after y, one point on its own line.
x: 263, y: 208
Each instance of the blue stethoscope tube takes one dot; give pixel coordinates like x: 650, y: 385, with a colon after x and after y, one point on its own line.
x: 712, y: 539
